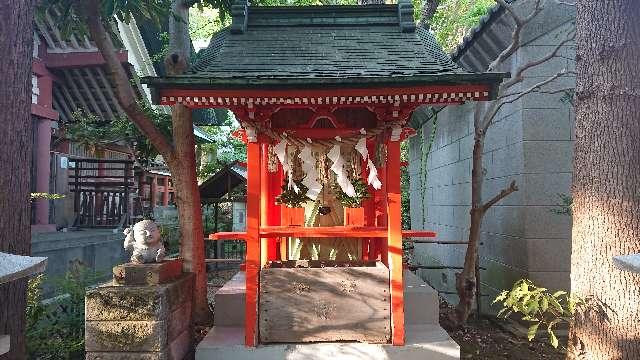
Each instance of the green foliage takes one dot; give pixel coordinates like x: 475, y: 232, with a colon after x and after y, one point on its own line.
x: 539, y: 307
x: 404, y: 186
x: 36, y: 196
x: 454, y: 18
x: 362, y: 193
x: 565, y: 207
x: 55, y: 329
x: 291, y: 198
x: 227, y: 148
x: 88, y: 130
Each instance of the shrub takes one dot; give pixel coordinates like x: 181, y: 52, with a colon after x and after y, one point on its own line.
x: 55, y: 327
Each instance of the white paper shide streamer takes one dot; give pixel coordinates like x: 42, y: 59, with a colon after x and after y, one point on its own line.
x: 338, y: 168
x: 361, y: 147
x: 311, y: 174
x: 281, y: 152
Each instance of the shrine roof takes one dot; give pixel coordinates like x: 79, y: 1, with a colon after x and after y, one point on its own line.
x: 319, y: 46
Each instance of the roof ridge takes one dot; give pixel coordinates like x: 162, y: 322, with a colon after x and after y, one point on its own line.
x: 245, y: 16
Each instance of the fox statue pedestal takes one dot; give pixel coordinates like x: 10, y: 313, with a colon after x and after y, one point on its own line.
x: 144, y: 313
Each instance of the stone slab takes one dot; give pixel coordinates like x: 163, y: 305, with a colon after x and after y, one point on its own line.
x: 421, y: 304
x: 5, y: 344
x: 147, y: 274
x: 230, y: 301
x: 422, y: 342
x: 628, y: 262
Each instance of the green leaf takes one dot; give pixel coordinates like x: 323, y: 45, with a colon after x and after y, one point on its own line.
x: 544, y: 304
x: 553, y: 339
x: 533, y: 329
x: 559, y: 293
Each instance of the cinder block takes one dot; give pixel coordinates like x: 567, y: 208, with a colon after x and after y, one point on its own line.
x: 549, y: 254
x: 129, y: 336
x: 147, y: 274
x: 126, y: 356
x: 547, y: 124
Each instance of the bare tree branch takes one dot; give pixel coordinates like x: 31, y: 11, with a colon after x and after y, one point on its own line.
x: 518, y: 75
x: 504, y: 193
x: 123, y: 89
x: 516, y: 35
x: 501, y: 100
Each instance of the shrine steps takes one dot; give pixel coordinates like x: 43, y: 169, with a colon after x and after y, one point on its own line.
x: 425, y: 339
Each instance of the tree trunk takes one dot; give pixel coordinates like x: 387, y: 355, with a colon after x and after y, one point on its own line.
x: 466, y: 280
x: 179, y: 155
x: 183, y: 173
x: 606, y: 181
x: 16, y: 47
x: 183, y: 166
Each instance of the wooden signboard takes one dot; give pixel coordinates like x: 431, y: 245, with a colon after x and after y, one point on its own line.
x: 313, y: 301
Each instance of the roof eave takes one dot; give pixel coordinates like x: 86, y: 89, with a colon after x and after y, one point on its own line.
x: 492, y: 79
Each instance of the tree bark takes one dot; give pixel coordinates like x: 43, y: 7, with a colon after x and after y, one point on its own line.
x: 16, y: 46
x: 606, y: 178
x: 466, y: 279
x: 428, y: 8
x: 183, y: 166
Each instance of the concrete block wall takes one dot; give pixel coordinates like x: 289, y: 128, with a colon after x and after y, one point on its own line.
x: 531, y: 142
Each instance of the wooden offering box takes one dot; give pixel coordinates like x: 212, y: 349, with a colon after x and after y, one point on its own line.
x: 313, y: 301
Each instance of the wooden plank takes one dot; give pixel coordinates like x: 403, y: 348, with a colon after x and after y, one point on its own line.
x: 394, y: 242
x: 253, y: 244
x: 325, y: 304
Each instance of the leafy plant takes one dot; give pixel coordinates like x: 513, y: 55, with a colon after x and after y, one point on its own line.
x: 565, y: 205
x: 539, y: 307
x: 55, y: 328
x: 48, y: 196
x: 291, y: 198
x: 362, y: 193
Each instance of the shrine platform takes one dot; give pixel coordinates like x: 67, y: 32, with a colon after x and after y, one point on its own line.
x: 425, y: 339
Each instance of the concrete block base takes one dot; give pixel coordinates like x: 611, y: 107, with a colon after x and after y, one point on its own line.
x: 422, y: 342
x: 139, y: 322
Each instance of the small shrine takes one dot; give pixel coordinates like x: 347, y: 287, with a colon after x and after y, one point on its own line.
x: 323, y: 95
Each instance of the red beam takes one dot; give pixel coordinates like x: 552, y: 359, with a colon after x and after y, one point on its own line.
x: 43, y: 112
x: 79, y: 59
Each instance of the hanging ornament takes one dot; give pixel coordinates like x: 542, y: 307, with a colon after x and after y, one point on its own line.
x: 338, y: 168
x: 310, y: 179
x: 361, y: 147
x: 281, y: 152
x: 272, y: 160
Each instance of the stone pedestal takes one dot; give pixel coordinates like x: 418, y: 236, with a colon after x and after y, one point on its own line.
x: 147, y: 274
x: 149, y: 322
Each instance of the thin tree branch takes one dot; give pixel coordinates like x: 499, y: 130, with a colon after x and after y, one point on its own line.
x: 504, y: 193
x: 501, y: 101
x: 124, y: 91
x: 519, y: 73
x: 516, y: 35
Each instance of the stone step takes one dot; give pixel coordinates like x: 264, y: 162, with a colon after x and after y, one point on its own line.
x: 420, y: 302
x: 422, y: 342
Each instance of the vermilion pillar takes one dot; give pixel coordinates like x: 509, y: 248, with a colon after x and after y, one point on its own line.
x: 43, y: 170
x: 253, y: 242
x: 264, y: 200
x: 394, y: 242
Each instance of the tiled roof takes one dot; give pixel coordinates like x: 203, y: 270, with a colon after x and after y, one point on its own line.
x: 321, y: 45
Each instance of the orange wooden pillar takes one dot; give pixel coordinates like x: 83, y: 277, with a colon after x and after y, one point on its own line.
x: 394, y: 242
x: 264, y: 200
x: 253, y: 243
